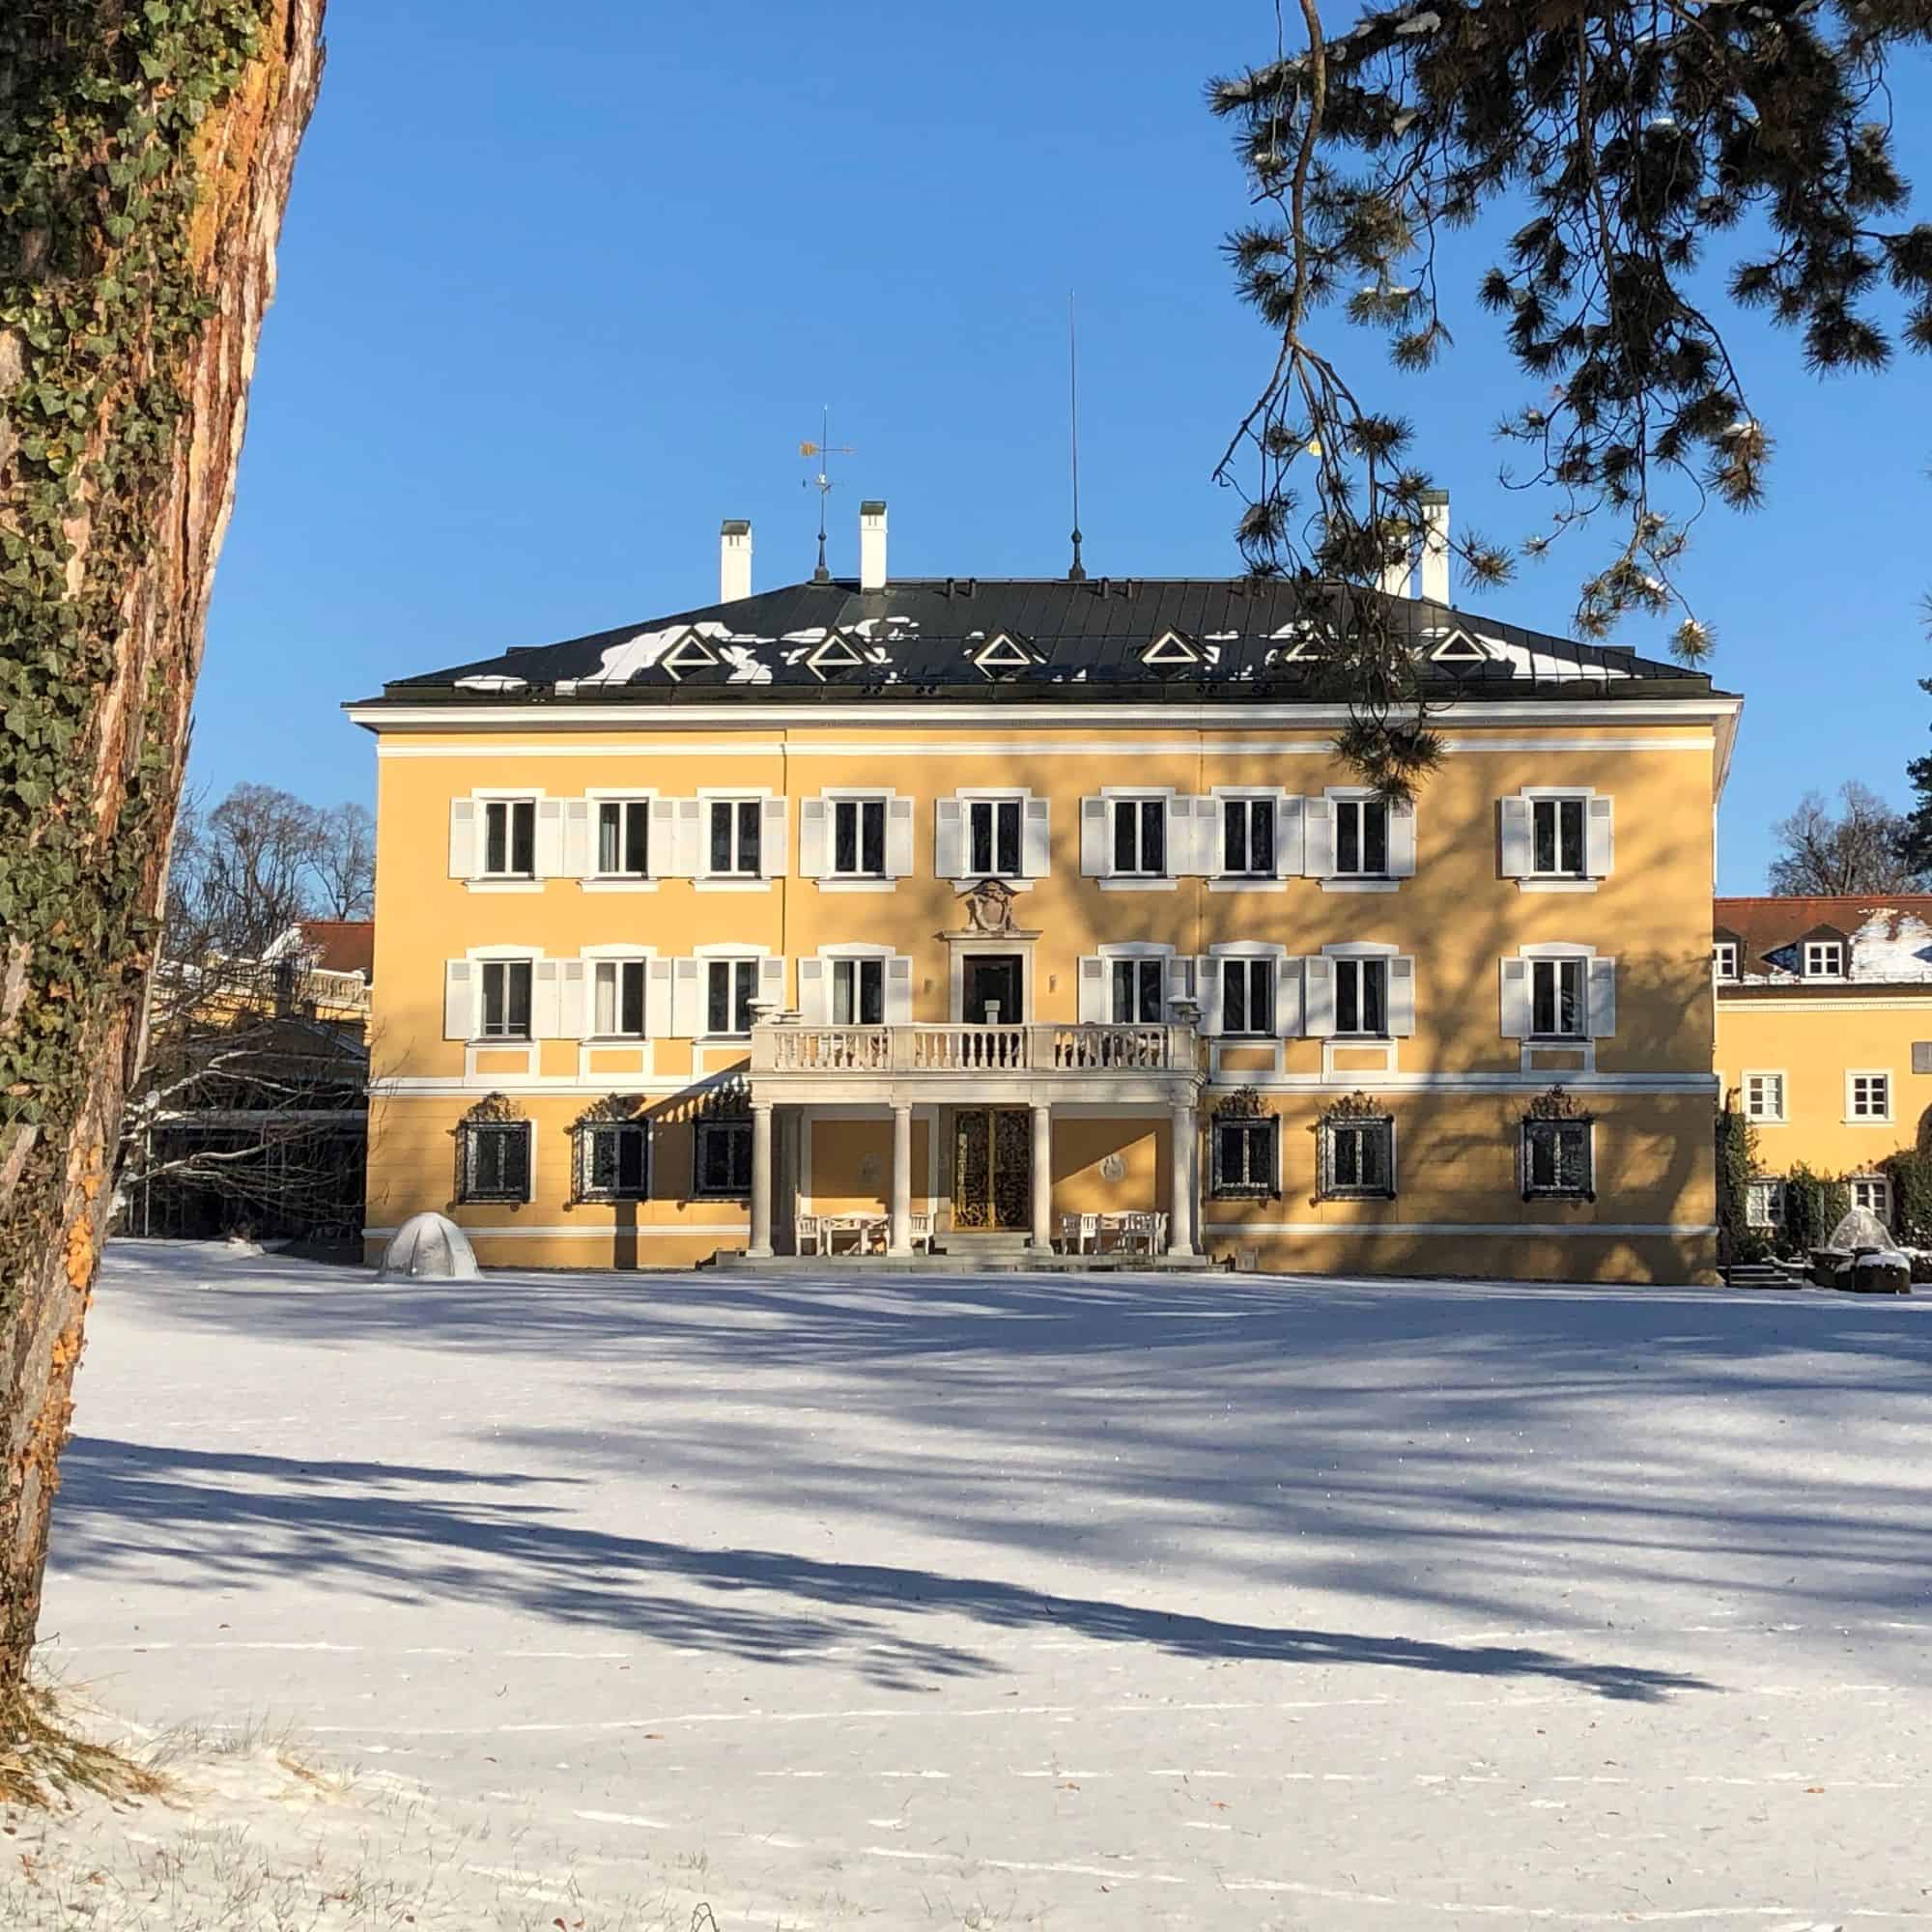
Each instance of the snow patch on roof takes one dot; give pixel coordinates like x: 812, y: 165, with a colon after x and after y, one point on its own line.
x: 492, y: 681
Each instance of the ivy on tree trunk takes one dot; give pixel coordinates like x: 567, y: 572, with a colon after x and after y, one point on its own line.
x: 146, y: 149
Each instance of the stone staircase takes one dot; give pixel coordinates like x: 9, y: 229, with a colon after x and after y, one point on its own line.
x: 1762, y: 1274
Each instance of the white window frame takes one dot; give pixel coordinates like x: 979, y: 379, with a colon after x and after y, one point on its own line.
x: 966, y: 797
x: 1770, y: 1187
x: 1877, y: 1189
x: 468, y: 1132
x: 1360, y: 798
x: 1327, y: 1188
x: 1530, y: 880
x: 1783, y: 1090
x: 1248, y: 800
x: 858, y: 799
x: 1823, y: 946
x: 597, y: 961
x: 505, y: 802
x: 1137, y: 962
x: 657, y: 864
x: 854, y: 964
x: 1556, y: 797
x: 1528, y: 1130
x: 1249, y: 960
x: 585, y: 1132
x: 1723, y: 967
x: 734, y: 956
x: 1854, y: 1117
x: 481, y: 969
x: 1554, y: 963
x: 1357, y: 960
x: 709, y: 801
x: 1161, y: 797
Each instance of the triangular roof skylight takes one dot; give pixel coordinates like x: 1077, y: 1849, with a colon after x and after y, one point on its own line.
x: 835, y: 655
x: 690, y: 653
x: 1459, y: 648
x: 1003, y: 654
x: 1171, y: 647
x: 1305, y: 649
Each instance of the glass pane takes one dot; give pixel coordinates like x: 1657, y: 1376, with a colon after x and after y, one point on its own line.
x: 1347, y: 996
x: 1571, y: 810
x: 1374, y: 836
x: 1122, y: 991
x: 1570, y: 1014
x: 1347, y: 1156
x: 1347, y: 837
x: 1542, y: 817
x: 1572, y: 1143
x: 492, y: 998
x: 518, y: 976
x: 604, y: 1000
x: 717, y: 997
x: 1375, y: 995
x: 871, y: 992
x: 610, y: 843
x: 1542, y: 996
x: 714, y: 1159
x: 631, y: 1160
x: 1261, y: 996
x: 872, y: 844
x: 845, y: 836
x: 1233, y: 996
x: 720, y: 836
x: 1126, y: 845
x: 1232, y: 1141
x: 1151, y: 975
x: 637, y: 836
x: 524, y: 836
x: 632, y: 1016
x: 1154, y: 838
x: 1261, y: 838
x: 980, y: 821
x: 1542, y: 1157
x: 601, y: 1164
x: 1375, y: 1156
x: 747, y: 972
x: 1010, y: 836
x: 738, y: 1148
x: 495, y: 837
x: 842, y: 992
x: 1234, y: 836
x: 750, y: 816
x: 516, y: 1145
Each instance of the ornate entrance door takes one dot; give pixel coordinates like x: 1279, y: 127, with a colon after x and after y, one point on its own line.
x: 992, y: 1168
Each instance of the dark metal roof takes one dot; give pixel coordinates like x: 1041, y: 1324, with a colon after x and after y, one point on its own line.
x: 1085, y: 640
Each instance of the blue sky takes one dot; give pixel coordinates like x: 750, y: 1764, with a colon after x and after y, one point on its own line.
x: 563, y: 288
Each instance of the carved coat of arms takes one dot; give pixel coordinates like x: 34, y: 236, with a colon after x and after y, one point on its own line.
x: 989, y: 907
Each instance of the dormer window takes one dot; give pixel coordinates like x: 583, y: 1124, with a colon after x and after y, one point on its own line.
x: 1824, y: 958
x: 1725, y: 958
x: 690, y: 653
x: 834, y: 657
x: 1169, y: 652
x: 1003, y: 655
x: 1459, y: 648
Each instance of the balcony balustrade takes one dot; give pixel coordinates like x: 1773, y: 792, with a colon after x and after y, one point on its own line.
x: 789, y: 1047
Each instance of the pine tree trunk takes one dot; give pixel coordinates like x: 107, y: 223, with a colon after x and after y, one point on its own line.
x: 146, y: 147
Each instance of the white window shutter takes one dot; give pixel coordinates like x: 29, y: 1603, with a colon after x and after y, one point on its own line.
x: 1599, y: 822
x: 1201, y: 857
x: 1208, y: 979
x: 1402, y: 838
x: 1515, y: 996
x: 579, y: 859
x: 814, y: 984
x: 1180, y: 841
x: 1290, y: 843
x: 1516, y: 854
x: 1288, y: 998
x: 462, y: 840
x: 1095, y: 1009
x: 949, y: 838
x: 775, y: 862
x: 1035, y: 838
x: 1402, y: 996
x: 687, y: 997
x: 898, y: 839
x: 813, y: 861
x: 1318, y: 825
x: 690, y: 848
x: 899, y: 989
x: 572, y: 1017
x: 1096, y: 849
x: 657, y: 999
x: 459, y: 1000
x: 1317, y: 1000
x: 550, y: 837
x: 544, y: 1001
x: 772, y: 981
x: 663, y: 840
x: 1602, y: 1011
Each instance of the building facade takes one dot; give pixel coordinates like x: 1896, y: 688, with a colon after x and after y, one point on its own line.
x: 981, y: 904
x: 1825, y: 1034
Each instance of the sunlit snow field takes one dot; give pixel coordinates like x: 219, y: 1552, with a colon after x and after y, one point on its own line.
x: 1220, y: 1601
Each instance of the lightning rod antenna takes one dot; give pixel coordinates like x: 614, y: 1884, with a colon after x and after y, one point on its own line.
x: 1078, y: 573
x: 824, y: 449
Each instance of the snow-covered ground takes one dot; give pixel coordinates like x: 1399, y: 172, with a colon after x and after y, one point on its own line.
x: 1023, y: 1602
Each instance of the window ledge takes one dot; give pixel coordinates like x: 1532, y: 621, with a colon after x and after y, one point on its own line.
x: 505, y: 885
x: 1013, y: 882
x: 1557, y: 885
x: 618, y: 885
x: 1244, y: 883
x: 1350, y: 884
x: 858, y: 885
x: 496, y: 1042
x: 1357, y: 1194
x: 601, y: 1039
x: 1869, y: 1120
x: 731, y: 885
x: 1133, y: 885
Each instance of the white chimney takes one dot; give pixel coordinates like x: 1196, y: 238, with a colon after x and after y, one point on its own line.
x: 1436, y: 546
x: 872, y: 546
x: 734, y: 560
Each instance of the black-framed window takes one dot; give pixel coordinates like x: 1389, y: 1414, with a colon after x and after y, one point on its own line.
x: 993, y: 837
x: 859, y: 838
x: 623, y: 837
x: 1246, y: 1158
x: 617, y: 999
x: 721, y: 1159
x: 1247, y: 837
x: 1557, y: 843
x: 614, y: 1160
x: 510, y: 837
x: 1247, y: 996
x: 496, y: 1164
x: 1558, y: 1160
x: 503, y: 1010
x: 1361, y: 837
x: 1139, y: 991
x: 857, y: 992
x: 736, y: 837
x: 1361, y: 996
x: 1559, y: 999
x: 1140, y: 836
x: 730, y: 985
x: 1358, y: 1157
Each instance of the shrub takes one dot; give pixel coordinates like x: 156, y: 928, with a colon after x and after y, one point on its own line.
x: 1814, y: 1204
x: 1736, y: 1163
x: 1910, y: 1170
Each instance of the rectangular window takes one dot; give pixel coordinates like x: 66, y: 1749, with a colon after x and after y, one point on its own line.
x: 730, y: 986
x: 1361, y: 996
x: 1247, y: 837
x: 506, y: 1000
x: 1247, y: 996
x: 614, y: 1158
x: 1362, y: 837
x: 1556, y: 998
x: 1764, y: 1204
x: 734, y: 836
x: 1140, y: 837
x: 1764, y: 1096
x: 1870, y: 1097
x: 623, y: 837
x: 495, y: 1160
x: 857, y: 992
x: 993, y: 837
x: 722, y: 1162
x: 1824, y: 958
x: 1359, y: 1158
x: 510, y: 837
x: 1556, y: 837
x: 1140, y: 994
x: 1245, y: 1157
x: 1725, y: 958
x: 1556, y: 1160
x: 859, y: 838
x: 1874, y: 1195
x: 617, y: 997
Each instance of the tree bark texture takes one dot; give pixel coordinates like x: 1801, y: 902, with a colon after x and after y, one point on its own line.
x: 146, y: 149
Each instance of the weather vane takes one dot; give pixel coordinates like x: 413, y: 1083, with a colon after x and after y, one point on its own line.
x: 824, y: 449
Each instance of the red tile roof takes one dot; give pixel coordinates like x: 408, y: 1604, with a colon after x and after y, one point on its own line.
x: 1765, y: 924
x: 343, y: 945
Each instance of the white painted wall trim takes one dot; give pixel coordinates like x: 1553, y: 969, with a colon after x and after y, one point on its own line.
x: 1529, y: 1230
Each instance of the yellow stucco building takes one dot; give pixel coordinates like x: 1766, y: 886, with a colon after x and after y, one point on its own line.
x: 965, y: 912
x: 1825, y: 1034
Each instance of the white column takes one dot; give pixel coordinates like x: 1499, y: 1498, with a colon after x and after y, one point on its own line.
x: 1042, y: 1179
x: 900, y: 1242
x: 761, y: 1249
x: 1180, y: 1184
